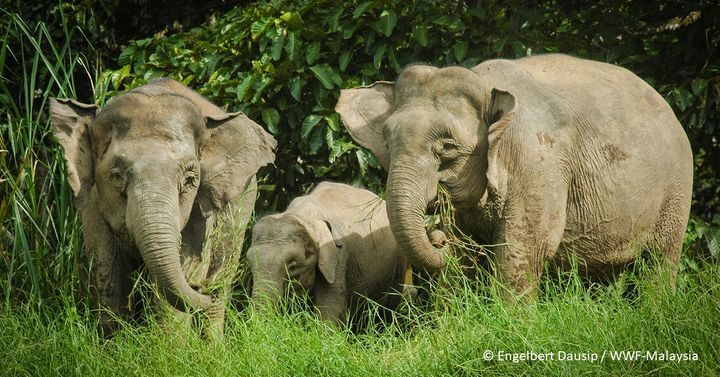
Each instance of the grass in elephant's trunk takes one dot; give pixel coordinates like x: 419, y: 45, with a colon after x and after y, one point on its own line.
x: 468, y: 263
x: 468, y: 251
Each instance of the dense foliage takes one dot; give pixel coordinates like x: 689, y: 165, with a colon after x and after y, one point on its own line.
x: 283, y: 63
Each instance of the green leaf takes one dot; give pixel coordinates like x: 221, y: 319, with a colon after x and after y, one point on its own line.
x: 259, y: 26
x: 361, y: 9
x: 362, y: 160
x: 264, y: 84
x: 316, y: 140
x: 387, y: 21
x: 244, y: 87
x: 369, y: 41
x: 339, y: 148
x: 277, y: 46
x: 698, y: 86
x: 293, y: 20
x: 420, y: 33
x: 344, y: 60
x: 349, y: 30
x: 330, y: 142
x: 392, y: 57
x: 271, y: 117
x: 125, y: 57
x: 681, y: 98
x: 460, y: 50
x: 452, y: 23
x: 118, y: 76
x: 312, y: 52
x: 296, y: 84
x: 325, y: 75
x: 333, y: 122
x: 378, y: 56
x: 308, y: 124
x: 333, y: 20
x: 291, y: 44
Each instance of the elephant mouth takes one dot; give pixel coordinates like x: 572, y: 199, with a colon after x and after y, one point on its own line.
x: 121, y: 233
x: 455, y: 197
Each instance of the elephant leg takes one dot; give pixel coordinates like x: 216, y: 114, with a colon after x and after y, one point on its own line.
x: 227, y: 242
x: 331, y: 301
x: 669, y: 234
x: 111, y: 269
x: 112, y: 284
x: 530, y: 234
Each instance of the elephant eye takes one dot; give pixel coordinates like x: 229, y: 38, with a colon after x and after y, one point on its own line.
x: 117, y: 179
x: 450, y: 150
x: 190, y: 179
x: 449, y: 145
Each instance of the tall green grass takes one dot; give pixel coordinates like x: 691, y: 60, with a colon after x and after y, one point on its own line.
x: 451, y: 338
x: 39, y: 228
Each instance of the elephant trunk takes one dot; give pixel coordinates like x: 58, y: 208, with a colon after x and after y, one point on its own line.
x: 408, y: 195
x: 268, y: 284
x: 154, y: 210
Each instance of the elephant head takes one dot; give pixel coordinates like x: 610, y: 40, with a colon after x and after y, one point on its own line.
x: 147, y: 158
x: 287, y: 248
x: 433, y: 126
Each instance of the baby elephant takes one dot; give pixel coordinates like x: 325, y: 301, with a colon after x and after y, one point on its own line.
x: 335, y: 243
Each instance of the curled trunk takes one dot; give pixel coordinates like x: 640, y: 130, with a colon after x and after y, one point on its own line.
x: 407, y: 200
x: 154, y: 211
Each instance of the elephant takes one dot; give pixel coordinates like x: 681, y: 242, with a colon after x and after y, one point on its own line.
x: 554, y: 159
x: 153, y: 172
x: 334, y: 243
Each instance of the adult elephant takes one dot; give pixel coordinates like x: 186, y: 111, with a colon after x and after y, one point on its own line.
x: 152, y: 171
x: 540, y: 155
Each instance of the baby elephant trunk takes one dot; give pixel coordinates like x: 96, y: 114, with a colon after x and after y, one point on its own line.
x: 268, y: 283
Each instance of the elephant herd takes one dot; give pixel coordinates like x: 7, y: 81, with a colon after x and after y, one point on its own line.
x: 548, y: 157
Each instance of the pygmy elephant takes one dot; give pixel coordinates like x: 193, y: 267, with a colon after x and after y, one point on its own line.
x: 334, y: 243
x: 152, y: 172
x: 546, y: 156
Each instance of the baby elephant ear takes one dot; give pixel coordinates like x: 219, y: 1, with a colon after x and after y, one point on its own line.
x: 363, y: 111
x: 71, y: 123
x: 236, y: 148
x: 330, y: 244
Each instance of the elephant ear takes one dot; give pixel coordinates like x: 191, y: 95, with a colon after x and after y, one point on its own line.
x: 71, y: 124
x: 502, y: 112
x: 236, y: 148
x: 329, y: 240
x: 363, y: 111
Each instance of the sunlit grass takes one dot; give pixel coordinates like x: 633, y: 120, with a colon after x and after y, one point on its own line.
x: 446, y: 339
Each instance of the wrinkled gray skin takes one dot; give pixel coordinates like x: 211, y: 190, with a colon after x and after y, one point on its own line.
x: 543, y: 155
x: 152, y: 172
x: 336, y: 244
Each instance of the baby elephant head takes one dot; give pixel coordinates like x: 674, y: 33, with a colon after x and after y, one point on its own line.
x: 286, y: 249
x: 141, y: 165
